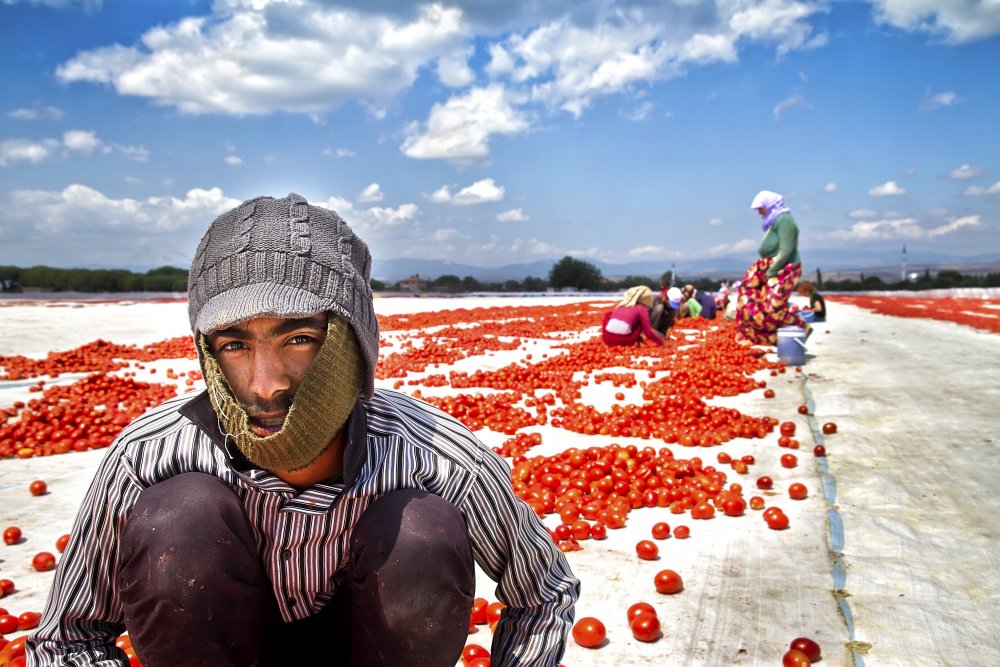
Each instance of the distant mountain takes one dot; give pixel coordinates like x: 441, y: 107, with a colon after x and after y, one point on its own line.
x: 846, y: 262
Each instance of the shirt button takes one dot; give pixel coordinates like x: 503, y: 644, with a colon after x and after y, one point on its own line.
x: 286, y: 554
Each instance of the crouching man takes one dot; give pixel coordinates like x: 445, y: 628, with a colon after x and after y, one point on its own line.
x: 292, y: 514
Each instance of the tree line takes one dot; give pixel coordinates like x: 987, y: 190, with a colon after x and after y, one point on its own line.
x: 568, y: 273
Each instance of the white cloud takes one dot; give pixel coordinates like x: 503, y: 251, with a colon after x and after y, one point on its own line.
x: 741, y: 246
x: 371, y: 193
x: 976, y: 191
x: 716, y: 222
x: 78, y: 142
x: 81, y: 141
x: 796, y: 101
x: 79, y: 209
x: 955, y: 22
x: 901, y: 228
x: 36, y: 113
x: 513, y: 215
x: 446, y: 234
x: 934, y: 100
x: 233, y: 160
x: 862, y: 213
x: 965, y: 172
x: 887, y: 189
x: 256, y: 58
x: 954, y: 225
x: 339, y: 152
x: 484, y: 191
x: 646, y: 251
x: 453, y: 69
x: 830, y: 187
x: 13, y: 151
x: 460, y: 129
x: 640, y: 112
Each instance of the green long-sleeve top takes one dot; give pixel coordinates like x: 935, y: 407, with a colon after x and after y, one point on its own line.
x: 782, y: 243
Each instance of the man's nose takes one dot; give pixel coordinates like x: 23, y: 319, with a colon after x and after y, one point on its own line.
x: 269, y: 375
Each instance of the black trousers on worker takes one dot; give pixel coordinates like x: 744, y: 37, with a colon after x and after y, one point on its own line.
x: 406, y: 600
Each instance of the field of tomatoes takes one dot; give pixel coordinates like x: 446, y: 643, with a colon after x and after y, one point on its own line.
x: 977, y: 313
x: 643, y: 462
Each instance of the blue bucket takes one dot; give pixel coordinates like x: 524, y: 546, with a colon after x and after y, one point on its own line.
x: 792, y: 345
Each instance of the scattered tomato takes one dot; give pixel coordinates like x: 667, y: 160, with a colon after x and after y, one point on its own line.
x: 43, y: 561
x: 38, y: 488
x: 473, y: 652
x: 682, y: 532
x: 661, y: 530
x: 62, y: 542
x: 807, y: 646
x: 668, y: 582
x: 11, y: 535
x: 829, y: 428
x: 646, y: 627
x: 819, y: 451
x: 647, y: 550
x: 764, y: 482
x: 789, y: 460
x: 589, y: 632
x: 795, y: 658
x: 797, y: 491
x: 639, y: 608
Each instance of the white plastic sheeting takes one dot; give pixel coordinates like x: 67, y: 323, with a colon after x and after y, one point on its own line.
x: 890, y: 561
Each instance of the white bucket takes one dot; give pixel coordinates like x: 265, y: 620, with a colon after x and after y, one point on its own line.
x: 792, y: 345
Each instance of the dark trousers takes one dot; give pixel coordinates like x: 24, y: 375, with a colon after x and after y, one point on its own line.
x: 195, y: 591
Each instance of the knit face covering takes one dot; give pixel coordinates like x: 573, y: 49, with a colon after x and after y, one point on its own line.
x: 320, y: 408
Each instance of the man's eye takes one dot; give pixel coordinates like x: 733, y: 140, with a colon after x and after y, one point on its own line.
x: 230, y: 346
x: 302, y: 339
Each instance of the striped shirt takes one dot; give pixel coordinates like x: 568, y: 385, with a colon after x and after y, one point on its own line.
x: 303, y: 536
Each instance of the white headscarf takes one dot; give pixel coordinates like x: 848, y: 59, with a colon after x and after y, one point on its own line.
x: 773, y: 205
x: 637, y: 294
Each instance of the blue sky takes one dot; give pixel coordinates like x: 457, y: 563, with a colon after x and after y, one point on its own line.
x: 490, y: 132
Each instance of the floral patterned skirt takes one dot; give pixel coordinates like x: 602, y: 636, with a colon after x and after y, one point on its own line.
x: 762, y: 307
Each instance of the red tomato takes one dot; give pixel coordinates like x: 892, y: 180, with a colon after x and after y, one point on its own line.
x: 819, y: 450
x: 640, y: 608
x: 62, y: 542
x: 756, y: 503
x: 473, y: 652
x: 646, y: 627
x: 6, y: 587
x: 589, y: 632
x: 599, y: 531
x: 647, y: 550
x: 787, y: 429
x: 794, y: 658
x: 803, y: 409
x: 829, y: 428
x: 28, y: 620
x: 768, y: 393
x: 661, y: 530
x: 479, y: 606
x: 43, y: 561
x: 764, y: 482
x: 38, y: 488
x: 807, y: 646
x: 11, y: 535
x: 702, y: 511
x: 734, y: 506
x: 15, y: 648
x: 8, y: 624
x: 668, y: 582
x: 493, y: 611
x: 682, y: 532
x: 789, y: 460
x: 776, y: 521
x: 479, y: 662
x: 797, y: 491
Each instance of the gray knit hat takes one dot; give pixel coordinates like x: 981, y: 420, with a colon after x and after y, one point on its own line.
x: 283, y: 258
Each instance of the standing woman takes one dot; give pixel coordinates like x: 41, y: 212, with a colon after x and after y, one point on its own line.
x: 630, y: 319
x: 762, y: 302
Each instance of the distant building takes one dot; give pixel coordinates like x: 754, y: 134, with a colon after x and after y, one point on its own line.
x: 413, y: 284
